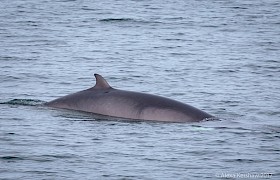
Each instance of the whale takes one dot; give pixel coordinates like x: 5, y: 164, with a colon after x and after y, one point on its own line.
x: 102, y: 99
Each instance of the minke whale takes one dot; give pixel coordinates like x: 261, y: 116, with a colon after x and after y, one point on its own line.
x: 102, y: 99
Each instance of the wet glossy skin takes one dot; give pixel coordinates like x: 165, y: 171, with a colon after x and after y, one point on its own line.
x: 105, y: 100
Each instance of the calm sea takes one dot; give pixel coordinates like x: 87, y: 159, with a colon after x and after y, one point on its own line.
x: 220, y: 56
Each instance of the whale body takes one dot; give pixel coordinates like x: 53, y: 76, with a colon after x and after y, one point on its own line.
x: 102, y: 99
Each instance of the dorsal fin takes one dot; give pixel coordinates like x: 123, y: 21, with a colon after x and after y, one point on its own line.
x: 101, y: 83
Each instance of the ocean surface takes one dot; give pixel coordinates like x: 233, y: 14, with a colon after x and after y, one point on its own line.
x: 220, y: 56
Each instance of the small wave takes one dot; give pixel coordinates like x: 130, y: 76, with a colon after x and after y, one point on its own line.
x: 117, y: 20
x: 130, y: 21
x: 11, y: 158
x: 24, y: 102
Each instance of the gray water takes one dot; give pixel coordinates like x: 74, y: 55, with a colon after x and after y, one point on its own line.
x: 219, y: 56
